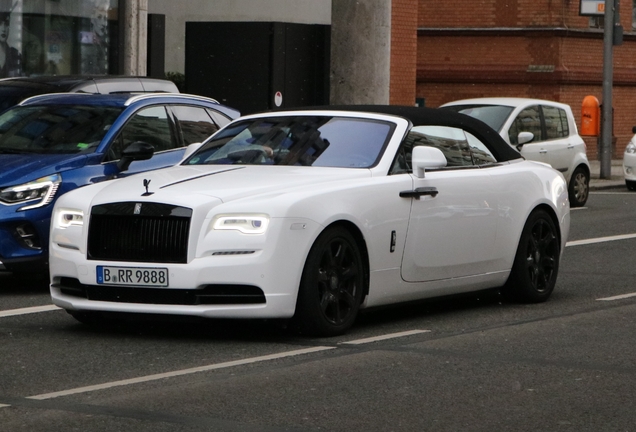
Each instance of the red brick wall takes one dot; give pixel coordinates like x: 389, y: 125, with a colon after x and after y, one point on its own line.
x: 463, y: 64
x: 505, y: 13
x: 403, y: 52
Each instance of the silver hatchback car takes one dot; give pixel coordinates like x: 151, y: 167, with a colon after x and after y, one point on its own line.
x: 541, y: 130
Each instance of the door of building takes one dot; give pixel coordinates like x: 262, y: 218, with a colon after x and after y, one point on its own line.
x: 258, y: 66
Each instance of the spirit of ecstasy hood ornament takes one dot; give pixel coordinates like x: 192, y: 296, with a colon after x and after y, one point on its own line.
x: 146, y: 184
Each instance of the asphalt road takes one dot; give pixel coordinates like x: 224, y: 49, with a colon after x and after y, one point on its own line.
x: 467, y: 363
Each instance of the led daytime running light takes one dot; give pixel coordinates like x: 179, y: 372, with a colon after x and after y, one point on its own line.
x: 42, y: 191
x: 67, y: 218
x: 247, y: 224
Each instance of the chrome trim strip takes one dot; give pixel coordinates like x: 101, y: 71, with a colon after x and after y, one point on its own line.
x: 141, y: 96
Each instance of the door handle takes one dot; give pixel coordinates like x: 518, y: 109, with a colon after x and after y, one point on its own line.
x: 543, y: 151
x: 418, y: 192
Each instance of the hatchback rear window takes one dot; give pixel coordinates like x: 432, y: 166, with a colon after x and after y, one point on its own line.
x: 493, y: 115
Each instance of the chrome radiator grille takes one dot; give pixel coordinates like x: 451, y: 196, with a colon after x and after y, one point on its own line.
x: 139, y: 232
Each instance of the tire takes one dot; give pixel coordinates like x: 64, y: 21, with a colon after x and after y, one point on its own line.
x: 536, y: 265
x: 332, y: 285
x: 579, y: 187
x: 631, y: 185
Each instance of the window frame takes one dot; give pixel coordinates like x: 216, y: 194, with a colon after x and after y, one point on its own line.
x: 401, y: 152
x: 171, y: 124
x: 177, y: 121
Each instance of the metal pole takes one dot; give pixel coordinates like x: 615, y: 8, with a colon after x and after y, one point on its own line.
x: 608, y: 74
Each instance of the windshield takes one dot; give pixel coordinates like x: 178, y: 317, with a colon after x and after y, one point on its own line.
x: 50, y: 129
x: 493, y: 115
x: 325, y: 141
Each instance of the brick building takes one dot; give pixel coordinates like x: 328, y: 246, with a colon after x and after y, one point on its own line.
x: 403, y: 60
x: 525, y: 48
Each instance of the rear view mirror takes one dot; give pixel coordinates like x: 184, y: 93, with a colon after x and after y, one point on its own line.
x: 426, y: 157
x: 190, y: 150
x: 136, y: 151
x: 524, y: 138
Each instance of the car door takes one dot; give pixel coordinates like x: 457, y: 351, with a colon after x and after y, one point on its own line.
x: 529, y: 120
x: 561, y: 151
x: 452, y: 233
x: 152, y: 125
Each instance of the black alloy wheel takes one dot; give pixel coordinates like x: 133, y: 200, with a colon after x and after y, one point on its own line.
x: 332, y: 285
x: 536, y: 265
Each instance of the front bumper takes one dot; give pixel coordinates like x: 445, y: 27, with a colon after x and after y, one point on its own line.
x: 35, y: 264
x: 24, y: 238
x: 274, y: 271
x: 629, y: 166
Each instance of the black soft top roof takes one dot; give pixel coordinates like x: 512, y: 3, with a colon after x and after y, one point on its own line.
x: 440, y: 117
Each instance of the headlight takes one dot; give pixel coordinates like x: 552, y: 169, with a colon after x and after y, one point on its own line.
x: 65, y: 218
x: 42, y: 191
x: 631, y: 147
x: 245, y: 223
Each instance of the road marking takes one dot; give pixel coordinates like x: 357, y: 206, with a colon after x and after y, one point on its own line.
x: 618, y: 297
x: 29, y: 310
x: 612, y: 193
x: 578, y: 208
x: 4, y: 406
x: 600, y: 240
x: 384, y: 337
x: 179, y: 373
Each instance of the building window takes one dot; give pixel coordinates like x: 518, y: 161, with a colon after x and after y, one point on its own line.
x: 58, y: 37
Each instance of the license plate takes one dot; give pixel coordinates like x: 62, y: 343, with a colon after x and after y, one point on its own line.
x: 135, y: 276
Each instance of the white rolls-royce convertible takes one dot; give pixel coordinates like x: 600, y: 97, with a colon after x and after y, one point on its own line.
x: 311, y: 215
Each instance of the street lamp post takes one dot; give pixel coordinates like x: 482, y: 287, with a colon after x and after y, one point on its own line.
x: 608, y: 73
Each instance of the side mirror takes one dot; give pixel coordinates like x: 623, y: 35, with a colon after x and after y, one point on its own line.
x: 190, y: 150
x: 634, y: 129
x: 136, y: 151
x: 426, y: 157
x: 524, y: 138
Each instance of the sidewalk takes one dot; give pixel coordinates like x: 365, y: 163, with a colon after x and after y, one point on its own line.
x: 617, y: 179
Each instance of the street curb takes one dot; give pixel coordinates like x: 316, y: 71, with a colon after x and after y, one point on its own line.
x: 607, y: 186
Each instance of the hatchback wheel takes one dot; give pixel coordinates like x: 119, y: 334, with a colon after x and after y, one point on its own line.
x: 579, y: 187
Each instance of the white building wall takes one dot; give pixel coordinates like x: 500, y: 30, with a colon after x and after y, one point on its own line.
x: 181, y: 11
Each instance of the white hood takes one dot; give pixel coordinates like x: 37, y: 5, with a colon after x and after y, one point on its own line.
x: 225, y: 183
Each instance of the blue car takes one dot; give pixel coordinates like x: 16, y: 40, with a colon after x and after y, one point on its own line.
x: 54, y: 143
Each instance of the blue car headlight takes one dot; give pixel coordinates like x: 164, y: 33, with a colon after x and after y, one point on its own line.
x: 37, y: 193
